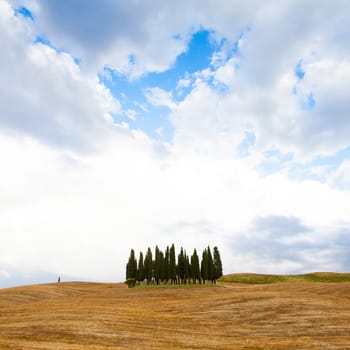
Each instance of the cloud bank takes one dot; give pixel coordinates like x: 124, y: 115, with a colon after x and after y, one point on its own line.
x: 78, y: 189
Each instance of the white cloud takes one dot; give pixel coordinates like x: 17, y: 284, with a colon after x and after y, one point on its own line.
x: 307, y: 117
x: 183, y: 83
x: 78, y: 213
x: 289, y: 125
x: 43, y: 92
x: 5, y: 274
x: 159, y: 131
x: 131, y: 114
x: 159, y: 97
x: 125, y: 37
x: 340, y: 177
x: 137, y: 38
x: 279, y: 38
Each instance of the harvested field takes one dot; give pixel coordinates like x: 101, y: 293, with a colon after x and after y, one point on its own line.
x: 72, y: 316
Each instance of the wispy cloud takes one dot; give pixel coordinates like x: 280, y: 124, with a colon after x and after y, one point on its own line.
x: 159, y: 97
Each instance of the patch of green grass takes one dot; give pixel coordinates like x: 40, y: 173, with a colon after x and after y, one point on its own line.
x: 328, y: 277
x: 175, y: 285
x: 253, y: 278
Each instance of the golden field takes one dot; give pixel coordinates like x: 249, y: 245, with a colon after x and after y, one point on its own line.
x: 72, y: 316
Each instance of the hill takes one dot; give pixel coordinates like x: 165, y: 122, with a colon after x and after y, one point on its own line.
x: 254, y: 278
x: 94, y: 316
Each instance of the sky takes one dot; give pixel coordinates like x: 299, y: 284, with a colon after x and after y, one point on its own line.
x: 129, y: 125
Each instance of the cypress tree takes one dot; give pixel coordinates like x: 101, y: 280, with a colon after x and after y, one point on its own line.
x: 181, y: 265
x: 205, y: 266
x: 178, y: 279
x: 172, y: 269
x: 187, y: 268
x: 165, y: 268
x: 211, y: 268
x: 156, y: 265
x: 217, y: 264
x: 140, y: 270
x: 131, y: 269
x: 161, y: 266
x: 167, y: 265
x: 195, y: 271
x: 148, y: 266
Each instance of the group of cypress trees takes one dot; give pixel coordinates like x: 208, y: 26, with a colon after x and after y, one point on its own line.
x: 164, y: 268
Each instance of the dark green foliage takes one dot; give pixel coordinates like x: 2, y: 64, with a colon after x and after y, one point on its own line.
x: 161, y: 266
x: 131, y: 266
x: 163, y: 269
x: 195, y: 271
x: 131, y: 282
x: 156, y: 265
x: 187, y: 268
x: 167, y: 265
x: 217, y: 264
x: 148, y: 266
x: 211, y: 268
x: 208, y: 267
x: 205, y: 266
x: 172, y: 266
x: 141, y: 269
x: 181, y: 265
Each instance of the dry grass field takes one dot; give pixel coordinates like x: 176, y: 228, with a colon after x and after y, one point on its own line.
x: 72, y: 316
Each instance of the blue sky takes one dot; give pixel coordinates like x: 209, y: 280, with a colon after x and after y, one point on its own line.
x: 132, y: 92
x: 125, y: 126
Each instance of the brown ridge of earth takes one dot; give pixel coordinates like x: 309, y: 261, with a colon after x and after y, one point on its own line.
x: 75, y: 315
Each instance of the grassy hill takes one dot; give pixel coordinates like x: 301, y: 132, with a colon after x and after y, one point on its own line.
x: 96, y: 316
x: 253, y: 278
